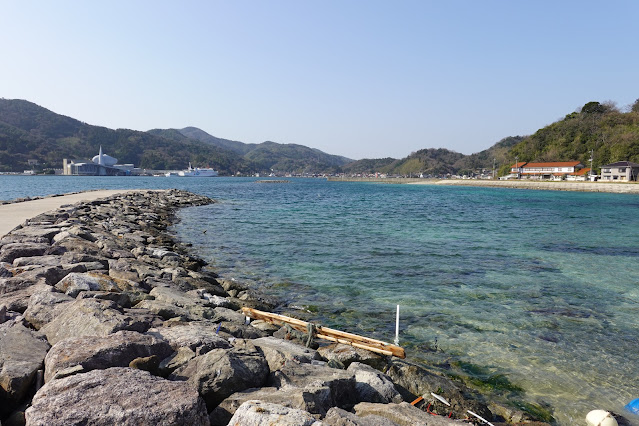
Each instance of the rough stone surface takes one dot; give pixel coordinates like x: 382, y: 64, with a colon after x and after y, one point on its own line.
x: 278, y: 352
x: 91, y: 352
x: 412, y: 381
x: 259, y: 413
x: 90, y: 317
x: 44, y: 305
x: 347, y: 354
x: 372, y: 385
x: 339, y: 383
x: 221, y: 372
x: 74, y: 283
x: 339, y: 417
x: 198, y: 337
x: 116, y: 396
x: 403, y: 414
x: 21, y: 354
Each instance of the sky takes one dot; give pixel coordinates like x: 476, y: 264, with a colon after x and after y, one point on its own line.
x: 357, y: 78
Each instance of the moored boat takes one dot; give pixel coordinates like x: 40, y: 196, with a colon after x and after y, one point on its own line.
x: 197, y: 172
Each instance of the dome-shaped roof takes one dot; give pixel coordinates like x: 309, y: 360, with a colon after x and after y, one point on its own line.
x: 106, y: 160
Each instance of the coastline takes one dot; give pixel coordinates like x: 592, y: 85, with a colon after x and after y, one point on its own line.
x: 608, y: 187
x: 106, y: 277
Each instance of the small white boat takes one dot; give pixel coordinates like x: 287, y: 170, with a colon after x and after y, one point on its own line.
x: 197, y: 172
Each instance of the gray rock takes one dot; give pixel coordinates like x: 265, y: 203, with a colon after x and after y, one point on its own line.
x: 403, y: 414
x: 44, y: 305
x: 221, y: 372
x: 18, y: 300
x: 413, y: 380
x: 75, y: 282
x: 116, y: 396
x: 339, y: 384
x: 195, y: 305
x: 36, y: 232
x: 198, y: 337
x: 90, y: 317
x: 313, y: 398
x: 115, y: 350
x: 339, y: 417
x: 49, y: 260
x: 372, y: 385
x: 260, y: 413
x: 21, y: 354
x: 278, y: 352
x: 347, y: 354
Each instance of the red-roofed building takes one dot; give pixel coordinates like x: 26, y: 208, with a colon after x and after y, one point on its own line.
x: 557, y: 170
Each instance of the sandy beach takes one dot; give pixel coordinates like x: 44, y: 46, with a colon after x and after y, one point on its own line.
x: 12, y: 215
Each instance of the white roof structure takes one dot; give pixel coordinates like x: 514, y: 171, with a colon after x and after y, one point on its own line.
x: 104, y: 160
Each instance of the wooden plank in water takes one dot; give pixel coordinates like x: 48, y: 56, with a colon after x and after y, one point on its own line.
x: 328, y: 333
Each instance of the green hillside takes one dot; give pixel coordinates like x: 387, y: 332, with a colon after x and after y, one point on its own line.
x: 611, y: 134
x: 30, y: 132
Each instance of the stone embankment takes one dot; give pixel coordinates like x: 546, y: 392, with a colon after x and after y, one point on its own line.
x: 106, y: 319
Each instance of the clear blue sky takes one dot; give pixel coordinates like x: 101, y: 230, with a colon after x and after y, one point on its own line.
x: 359, y: 78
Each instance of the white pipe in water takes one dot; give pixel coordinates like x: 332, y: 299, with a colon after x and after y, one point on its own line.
x: 397, y: 327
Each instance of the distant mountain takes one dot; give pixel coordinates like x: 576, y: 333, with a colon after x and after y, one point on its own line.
x: 430, y: 161
x: 265, y: 156
x: 31, y: 132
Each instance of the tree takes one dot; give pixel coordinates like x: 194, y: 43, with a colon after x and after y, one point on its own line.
x: 635, y: 106
x: 593, y: 108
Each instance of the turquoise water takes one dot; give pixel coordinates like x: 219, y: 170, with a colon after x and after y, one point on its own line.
x: 539, y: 288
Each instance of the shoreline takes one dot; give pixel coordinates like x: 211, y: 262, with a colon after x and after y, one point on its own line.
x: 607, y: 187
x: 235, y: 291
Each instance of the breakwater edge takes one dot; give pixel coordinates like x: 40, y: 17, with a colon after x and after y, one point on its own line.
x: 107, y: 318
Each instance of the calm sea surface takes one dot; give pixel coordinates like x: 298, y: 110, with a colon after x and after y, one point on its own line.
x: 534, y: 292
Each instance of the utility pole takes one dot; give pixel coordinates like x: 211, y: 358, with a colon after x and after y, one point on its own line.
x: 592, y: 154
x: 493, y: 168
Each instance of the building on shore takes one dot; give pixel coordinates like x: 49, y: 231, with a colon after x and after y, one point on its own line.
x: 621, y: 171
x: 558, y: 170
x: 100, y: 165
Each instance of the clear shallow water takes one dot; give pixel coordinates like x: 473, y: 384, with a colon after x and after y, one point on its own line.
x: 540, y: 286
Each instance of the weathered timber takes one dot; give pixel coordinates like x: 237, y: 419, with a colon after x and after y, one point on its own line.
x: 328, y: 333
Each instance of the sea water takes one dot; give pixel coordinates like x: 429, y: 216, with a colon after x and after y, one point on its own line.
x: 532, y: 295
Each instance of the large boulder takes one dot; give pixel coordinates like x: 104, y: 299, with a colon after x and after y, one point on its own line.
x: 258, y: 413
x: 221, y: 372
x: 196, y: 336
x: 347, y: 354
x: 278, y: 352
x: 75, y: 282
x: 90, y: 317
x: 44, y: 305
x: 339, y: 384
x: 313, y: 398
x: 413, y: 380
x: 92, y: 353
x: 372, y: 385
x: 21, y: 354
x: 116, y: 396
x: 403, y: 414
x: 339, y: 417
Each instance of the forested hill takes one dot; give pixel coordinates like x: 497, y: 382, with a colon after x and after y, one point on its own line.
x: 602, y: 128
x: 31, y: 132
x: 613, y: 135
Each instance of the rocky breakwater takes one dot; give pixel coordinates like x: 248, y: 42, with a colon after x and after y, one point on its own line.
x: 106, y: 319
